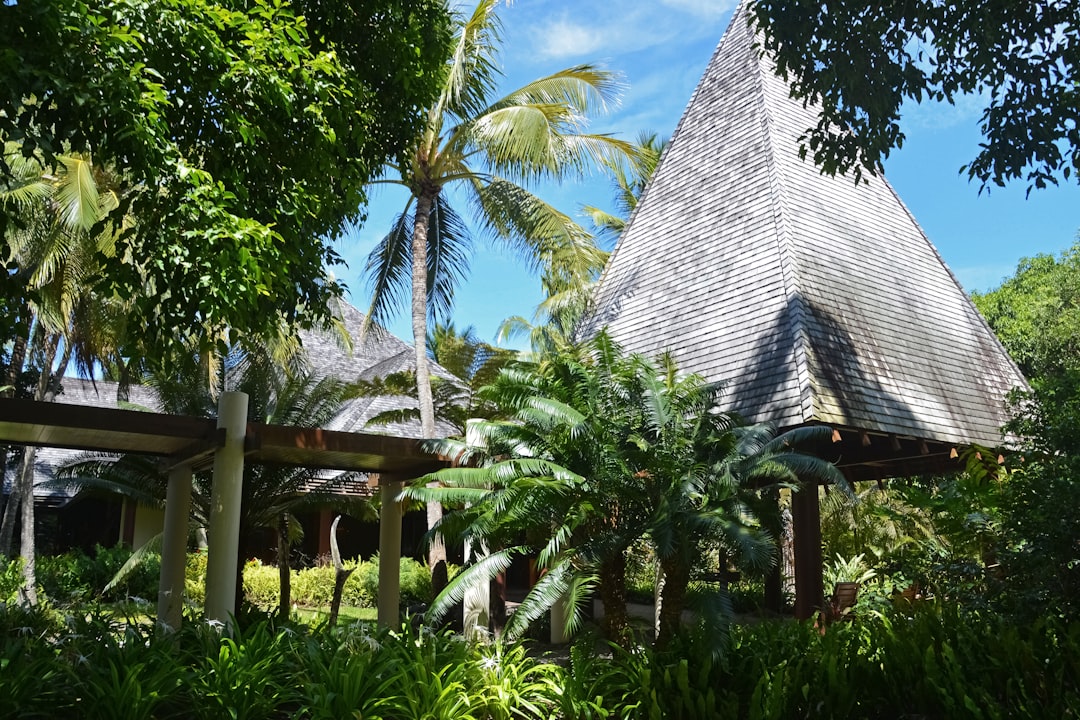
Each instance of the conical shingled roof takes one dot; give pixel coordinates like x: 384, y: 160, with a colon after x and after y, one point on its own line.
x: 815, y: 299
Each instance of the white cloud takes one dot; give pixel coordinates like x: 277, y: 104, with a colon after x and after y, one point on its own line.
x: 706, y: 9
x: 563, y: 39
x: 615, y: 29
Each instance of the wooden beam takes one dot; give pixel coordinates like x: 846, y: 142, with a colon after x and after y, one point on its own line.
x: 198, y: 455
x: 806, y: 524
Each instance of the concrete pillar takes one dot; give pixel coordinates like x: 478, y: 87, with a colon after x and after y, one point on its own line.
x: 149, y: 523
x: 389, y: 552
x: 174, y: 549
x: 560, y: 614
x: 224, y: 524
x: 806, y: 527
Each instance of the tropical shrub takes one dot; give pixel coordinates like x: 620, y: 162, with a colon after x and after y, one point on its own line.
x: 606, y: 452
x: 10, y: 579
x: 75, y: 577
x: 314, y: 586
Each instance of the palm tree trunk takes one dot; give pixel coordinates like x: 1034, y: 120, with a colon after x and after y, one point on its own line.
x: 7, y: 524
x: 613, y: 595
x: 284, y: 571
x: 437, y: 550
x: 45, y: 393
x: 676, y: 580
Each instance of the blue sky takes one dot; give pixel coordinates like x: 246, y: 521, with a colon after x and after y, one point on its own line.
x: 661, y: 48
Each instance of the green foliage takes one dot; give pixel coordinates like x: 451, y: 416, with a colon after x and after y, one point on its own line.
x: 10, y: 580
x: 930, y: 661
x: 195, y: 578
x: 861, y: 61
x: 314, y: 586
x: 247, y: 677
x: 245, y: 134
x: 601, y: 451
x: 75, y: 577
x: 1036, y: 314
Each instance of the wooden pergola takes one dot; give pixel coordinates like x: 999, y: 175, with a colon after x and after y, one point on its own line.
x: 186, y: 444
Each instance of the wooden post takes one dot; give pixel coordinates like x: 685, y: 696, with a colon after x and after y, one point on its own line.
x: 174, y: 549
x: 226, y: 493
x: 806, y: 524
x: 389, y: 552
x: 325, y: 520
x: 773, y: 522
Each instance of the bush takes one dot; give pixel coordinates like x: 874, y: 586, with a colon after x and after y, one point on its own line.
x: 10, y: 580
x: 314, y: 586
x: 75, y: 577
x: 931, y: 661
x: 195, y: 578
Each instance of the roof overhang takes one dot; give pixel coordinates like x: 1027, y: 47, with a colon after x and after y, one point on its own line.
x: 866, y: 455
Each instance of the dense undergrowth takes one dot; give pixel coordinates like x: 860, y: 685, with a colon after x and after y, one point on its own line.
x: 933, y: 662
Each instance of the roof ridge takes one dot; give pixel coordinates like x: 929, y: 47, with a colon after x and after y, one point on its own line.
x: 789, y: 270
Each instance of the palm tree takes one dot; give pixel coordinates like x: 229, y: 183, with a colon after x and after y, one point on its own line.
x: 472, y: 362
x: 549, y: 483
x: 490, y: 146
x: 57, y: 250
x: 603, y: 450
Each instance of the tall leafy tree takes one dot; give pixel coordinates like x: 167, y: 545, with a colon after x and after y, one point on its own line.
x: 863, y: 60
x: 245, y: 132
x: 1036, y: 314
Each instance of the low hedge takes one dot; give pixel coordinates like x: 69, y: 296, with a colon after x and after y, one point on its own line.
x: 77, y: 578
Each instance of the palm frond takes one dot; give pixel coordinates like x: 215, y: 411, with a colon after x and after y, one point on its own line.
x: 137, y: 558
x: 551, y: 588
x: 449, y: 243
x: 472, y: 69
x: 483, y: 570
x: 77, y: 195
x: 389, y: 270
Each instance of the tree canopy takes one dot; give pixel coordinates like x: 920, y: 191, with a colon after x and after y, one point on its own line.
x: 244, y: 131
x: 862, y: 60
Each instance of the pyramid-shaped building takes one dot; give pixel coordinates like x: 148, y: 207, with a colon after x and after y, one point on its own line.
x: 815, y: 299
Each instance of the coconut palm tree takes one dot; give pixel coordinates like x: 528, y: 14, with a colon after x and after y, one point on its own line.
x: 490, y: 146
x: 57, y: 248
x: 486, y: 145
x: 472, y: 362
